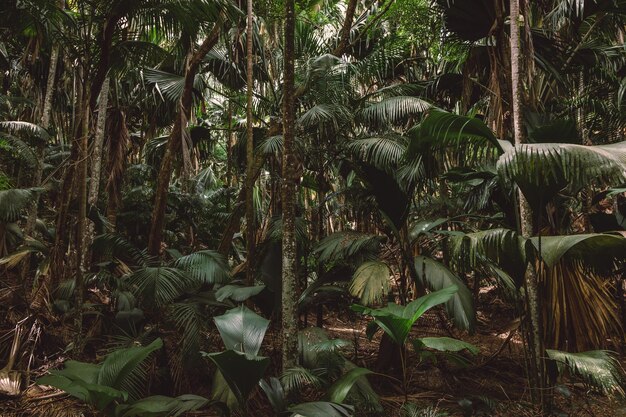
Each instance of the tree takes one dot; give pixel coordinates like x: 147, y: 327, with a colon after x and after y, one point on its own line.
x: 289, y: 251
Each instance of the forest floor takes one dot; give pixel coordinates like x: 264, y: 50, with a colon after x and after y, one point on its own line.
x: 493, y: 384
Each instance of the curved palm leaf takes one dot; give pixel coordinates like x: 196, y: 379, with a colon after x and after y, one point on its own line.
x: 159, y: 285
x: 370, y: 282
x: 543, y: 169
x: 435, y: 276
x: 14, y: 201
x: 207, y: 266
x: 598, y: 368
x: 346, y: 245
x: 393, y: 110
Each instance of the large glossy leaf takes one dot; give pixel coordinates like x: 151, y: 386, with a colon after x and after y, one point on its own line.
x: 370, y: 282
x: 237, y: 293
x: 436, y: 276
x: 397, y: 320
x: 340, y: 389
x: 599, y: 249
x: 598, y: 368
x: 321, y: 409
x: 99, y: 396
x: 242, y: 329
x: 241, y: 371
x: 447, y: 344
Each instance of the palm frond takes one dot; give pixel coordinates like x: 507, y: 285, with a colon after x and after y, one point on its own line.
x: 370, y: 282
x: 26, y: 128
x: 298, y: 378
x: 14, y: 201
x: 597, y: 368
x: 543, y: 169
x: 207, y: 267
x: 342, y: 246
x: 21, y: 149
x: 159, y: 285
x: 393, y: 110
x: 384, y: 152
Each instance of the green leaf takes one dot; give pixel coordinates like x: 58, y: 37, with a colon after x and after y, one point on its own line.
x: 340, y: 389
x: 242, y: 329
x: 162, y: 406
x: 397, y: 320
x: 321, y: 409
x: 120, y: 369
x: 207, y: 267
x: 370, y: 282
x: 241, y: 371
x: 447, y: 344
x: 237, y: 293
x: 436, y: 276
x: 598, y: 368
x: 600, y: 249
x: 541, y: 170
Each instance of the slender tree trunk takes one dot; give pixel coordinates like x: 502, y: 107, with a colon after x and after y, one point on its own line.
x: 81, y: 221
x: 96, y: 157
x: 175, y: 140
x: 96, y: 164
x: 250, y: 221
x: 289, y: 273
x: 537, y: 373
x: 45, y: 123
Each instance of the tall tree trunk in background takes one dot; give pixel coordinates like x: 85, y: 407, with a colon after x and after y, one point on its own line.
x: 81, y: 222
x: 96, y: 162
x: 537, y: 371
x: 175, y: 141
x: 250, y: 221
x: 289, y: 273
x: 36, y: 182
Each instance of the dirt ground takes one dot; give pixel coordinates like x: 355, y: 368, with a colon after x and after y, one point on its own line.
x: 492, y: 385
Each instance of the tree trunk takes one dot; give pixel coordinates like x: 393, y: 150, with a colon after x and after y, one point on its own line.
x: 96, y: 163
x: 289, y: 273
x: 45, y: 123
x: 174, y: 142
x: 81, y: 221
x: 537, y: 371
x: 250, y: 221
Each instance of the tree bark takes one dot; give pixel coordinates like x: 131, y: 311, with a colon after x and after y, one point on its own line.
x: 250, y: 220
x: 344, y: 33
x: 174, y: 142
x: 289, y: 272
x: 31, y: 220
x: 537, y: 371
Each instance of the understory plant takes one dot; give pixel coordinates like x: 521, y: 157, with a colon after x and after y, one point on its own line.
x: 397, y: 322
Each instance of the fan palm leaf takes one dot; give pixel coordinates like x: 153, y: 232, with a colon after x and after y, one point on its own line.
x: 543, y: 169
x: 598, y: 368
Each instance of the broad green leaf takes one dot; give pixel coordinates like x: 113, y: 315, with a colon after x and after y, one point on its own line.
x: 321, y: 409
x: 447, y: 344
x: 436, y: 276
x: 237, y: 293
x: 242, y: 329
x: 340, y: 389
x: 241, y: 371
x: 594, y: 248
